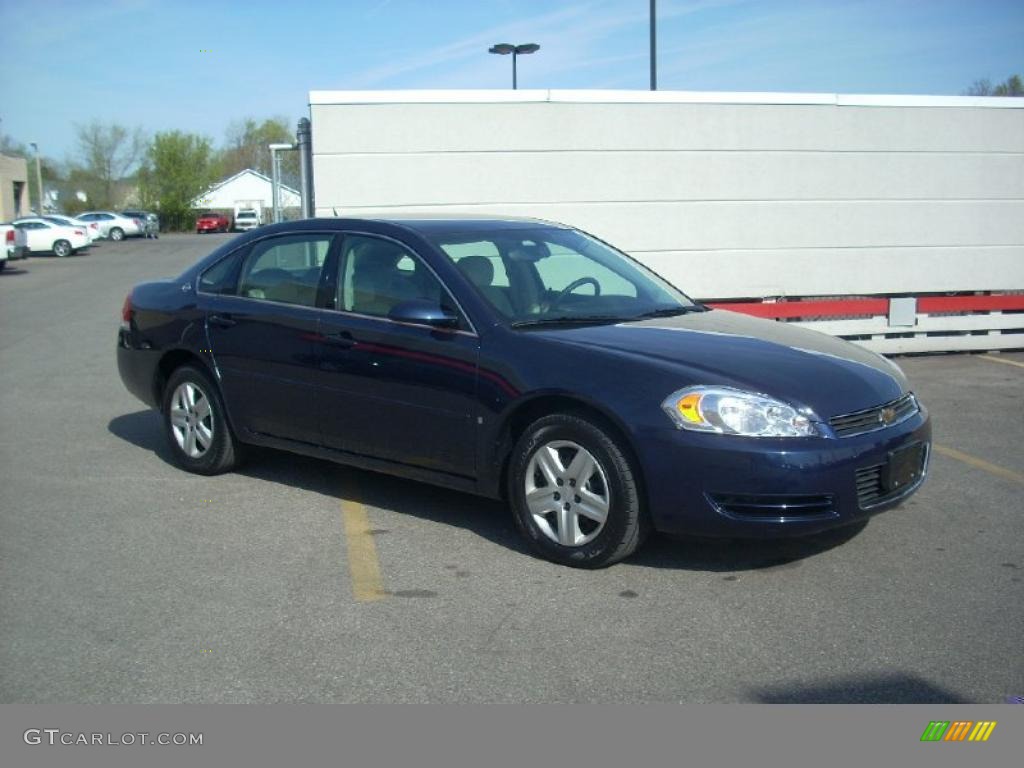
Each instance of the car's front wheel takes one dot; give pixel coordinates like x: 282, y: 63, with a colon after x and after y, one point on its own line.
x: 197, y: 429
x: 574, y: 493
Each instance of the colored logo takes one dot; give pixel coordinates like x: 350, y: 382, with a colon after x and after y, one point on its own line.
x: 958, y: 730
x: 887, y: 415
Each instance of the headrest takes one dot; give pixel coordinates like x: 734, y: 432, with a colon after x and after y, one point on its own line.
x: 478, y: 269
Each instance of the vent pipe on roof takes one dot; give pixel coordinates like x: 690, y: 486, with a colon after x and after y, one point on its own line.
x: 304, y: 143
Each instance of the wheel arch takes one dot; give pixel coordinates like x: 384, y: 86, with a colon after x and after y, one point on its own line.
x: 547, y: 404
x: 169, y: 363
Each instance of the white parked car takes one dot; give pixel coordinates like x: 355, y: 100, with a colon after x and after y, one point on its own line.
x: 114, y: 226
x: 46, y: 237
x: 92, y: 229
x: 246, y: 219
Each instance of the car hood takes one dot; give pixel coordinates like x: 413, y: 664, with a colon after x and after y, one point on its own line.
x: 797, y: 365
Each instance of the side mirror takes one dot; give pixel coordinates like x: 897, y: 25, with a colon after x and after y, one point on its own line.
x: 422, y: 312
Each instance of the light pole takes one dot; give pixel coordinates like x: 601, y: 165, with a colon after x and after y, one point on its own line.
x: 503, y: 49
x: 275, y: 179
x: 654, y: 46
x: 39, y: 177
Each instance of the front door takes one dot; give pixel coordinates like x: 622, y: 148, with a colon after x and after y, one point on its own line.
x: 394, y: 391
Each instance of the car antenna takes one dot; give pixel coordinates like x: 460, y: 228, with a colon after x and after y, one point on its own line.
x: 335, y: 212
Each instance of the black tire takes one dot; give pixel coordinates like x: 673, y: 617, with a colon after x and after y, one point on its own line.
x: 223, y: 453
x: 62, y: 248
x: 116, y: 234
x: 626, y: 525
x: 3, y: 265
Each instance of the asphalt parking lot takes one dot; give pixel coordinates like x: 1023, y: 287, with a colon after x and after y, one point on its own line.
x: 123, y: 579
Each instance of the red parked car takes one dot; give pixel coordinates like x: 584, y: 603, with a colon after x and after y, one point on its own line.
x: 212, y: 222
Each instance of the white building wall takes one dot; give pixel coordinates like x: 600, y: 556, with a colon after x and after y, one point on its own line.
x: 247, y: 187
x: 726, y: 195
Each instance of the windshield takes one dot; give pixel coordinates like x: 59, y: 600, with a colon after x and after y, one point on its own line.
x: 542, y: 275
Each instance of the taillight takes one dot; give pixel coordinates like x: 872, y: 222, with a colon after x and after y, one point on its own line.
x: 10, y: 237
x: 126, y: 312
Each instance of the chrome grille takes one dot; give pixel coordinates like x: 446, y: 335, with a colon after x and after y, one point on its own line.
x: 879, y: 417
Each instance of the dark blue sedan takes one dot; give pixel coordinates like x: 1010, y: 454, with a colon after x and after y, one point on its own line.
x: 522, y: 360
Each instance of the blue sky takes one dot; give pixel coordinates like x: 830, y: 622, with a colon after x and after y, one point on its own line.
x: 143, y: 62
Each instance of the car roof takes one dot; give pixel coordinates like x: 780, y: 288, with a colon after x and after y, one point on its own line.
x: 425, y: 224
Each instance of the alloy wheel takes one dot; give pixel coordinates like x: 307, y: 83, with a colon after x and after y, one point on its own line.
x: 567, y: 493
x: 191, y: 419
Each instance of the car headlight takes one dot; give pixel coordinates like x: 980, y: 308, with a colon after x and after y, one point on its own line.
x: 729, y: 411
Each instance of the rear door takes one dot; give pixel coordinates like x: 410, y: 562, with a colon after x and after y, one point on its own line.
x: 262, y: 320
x: 394, y: 391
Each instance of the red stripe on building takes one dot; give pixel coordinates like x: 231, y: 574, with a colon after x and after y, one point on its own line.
x: 870, y: 307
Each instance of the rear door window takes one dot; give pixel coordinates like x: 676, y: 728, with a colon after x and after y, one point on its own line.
x: 285, y: 269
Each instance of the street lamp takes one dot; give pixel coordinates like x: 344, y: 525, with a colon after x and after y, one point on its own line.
x: 654, y: 45
x: 503, y: 49
x: 39, y: 177
x: 275, y: 178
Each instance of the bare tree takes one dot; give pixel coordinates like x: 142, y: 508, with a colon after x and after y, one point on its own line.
x: 246, y: 143
x: 981, y: 87
x: 109, y: 153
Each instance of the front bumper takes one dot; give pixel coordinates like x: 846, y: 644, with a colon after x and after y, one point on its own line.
x: 718, y: 485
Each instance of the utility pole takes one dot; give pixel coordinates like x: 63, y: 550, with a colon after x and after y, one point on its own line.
x: 654, y: 45
x: 39, y: 177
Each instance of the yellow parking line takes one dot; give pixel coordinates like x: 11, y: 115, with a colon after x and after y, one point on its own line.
x: 974, y: 461
x: 997, y: 359
x: 363, y: 565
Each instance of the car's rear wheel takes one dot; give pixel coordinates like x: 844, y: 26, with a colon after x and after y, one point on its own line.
x: 62, y: 248
x: 117, y: 234
x: 194, y: 420
x: 574, y: 493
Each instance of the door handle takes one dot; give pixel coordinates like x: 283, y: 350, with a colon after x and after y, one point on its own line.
x: 222, y: 321
x: 342, y: 339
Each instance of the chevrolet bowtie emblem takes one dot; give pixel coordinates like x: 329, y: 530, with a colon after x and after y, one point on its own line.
x: 887, y: 415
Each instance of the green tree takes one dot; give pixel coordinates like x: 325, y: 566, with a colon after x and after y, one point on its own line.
x: 109, y: 153
x: 178, y: 167
x: 246, y: 147
x: 1012, y: 86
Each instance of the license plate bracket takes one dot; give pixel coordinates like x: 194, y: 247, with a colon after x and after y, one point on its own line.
x: 904, y: 467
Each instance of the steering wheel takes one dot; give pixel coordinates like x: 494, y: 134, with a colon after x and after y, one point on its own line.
x: 572, y: 287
